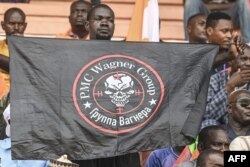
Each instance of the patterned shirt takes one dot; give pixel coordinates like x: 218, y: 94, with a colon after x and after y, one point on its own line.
x: 216, y: 108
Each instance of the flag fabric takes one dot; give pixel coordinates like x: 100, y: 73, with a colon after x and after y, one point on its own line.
x: 145, y: 22
x: 94, y: 99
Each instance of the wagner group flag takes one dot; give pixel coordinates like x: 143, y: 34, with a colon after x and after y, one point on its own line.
x: 92, y: 99
x: 144, y: 25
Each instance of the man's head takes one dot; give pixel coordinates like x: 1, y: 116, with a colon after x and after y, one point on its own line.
x: 239, y: 107
x: 78, y: 13
x: 213, y: 137
x: 14, y: 22
x: 243, y: 60
x: 219, y: 28
x: 210, y: 158
x: 100, y: 22
x: 196, y: 28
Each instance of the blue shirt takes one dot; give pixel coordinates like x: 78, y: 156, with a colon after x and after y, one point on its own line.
x: 5, y: 155
x: 165, y: 157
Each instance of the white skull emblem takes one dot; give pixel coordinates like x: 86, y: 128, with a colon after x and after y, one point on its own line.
x: 119, y: 88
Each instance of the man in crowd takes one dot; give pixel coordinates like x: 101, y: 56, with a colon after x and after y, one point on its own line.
x: 77, y: 18
x: 219, y: 28
x: 222, y: 84
x: 240, y: 14
x: 13, y: 24
x: 212, y: 137
x: 239, y: 114
x: 196, y: 28
x: 210, y: 158
x: 100, y: 24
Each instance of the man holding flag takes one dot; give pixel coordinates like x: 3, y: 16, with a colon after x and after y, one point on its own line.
x: 102, y: 28
x: 116, y: 100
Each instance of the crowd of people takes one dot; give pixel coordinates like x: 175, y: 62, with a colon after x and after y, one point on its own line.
x: 226, y: 121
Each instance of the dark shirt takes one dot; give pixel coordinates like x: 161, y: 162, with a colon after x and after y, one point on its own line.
x: 231, y: 133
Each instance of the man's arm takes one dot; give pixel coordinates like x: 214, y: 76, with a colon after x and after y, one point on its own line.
x: 4, y: 63
x: 223, y: 58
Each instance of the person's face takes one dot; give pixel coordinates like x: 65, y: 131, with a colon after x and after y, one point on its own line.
x: 101, y: 24
x: 240, y: 108
x: 217, y: 140
x: 14, y: 24
x: 244, y: 60
x: 196, y: 29
x: 78, y: 14
x: 221, y: 34
x: 214, y: 160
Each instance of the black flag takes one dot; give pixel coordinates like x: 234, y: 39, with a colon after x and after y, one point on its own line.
x: 93, y: 99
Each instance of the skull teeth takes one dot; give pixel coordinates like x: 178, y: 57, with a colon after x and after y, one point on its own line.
x: 119, y: 102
